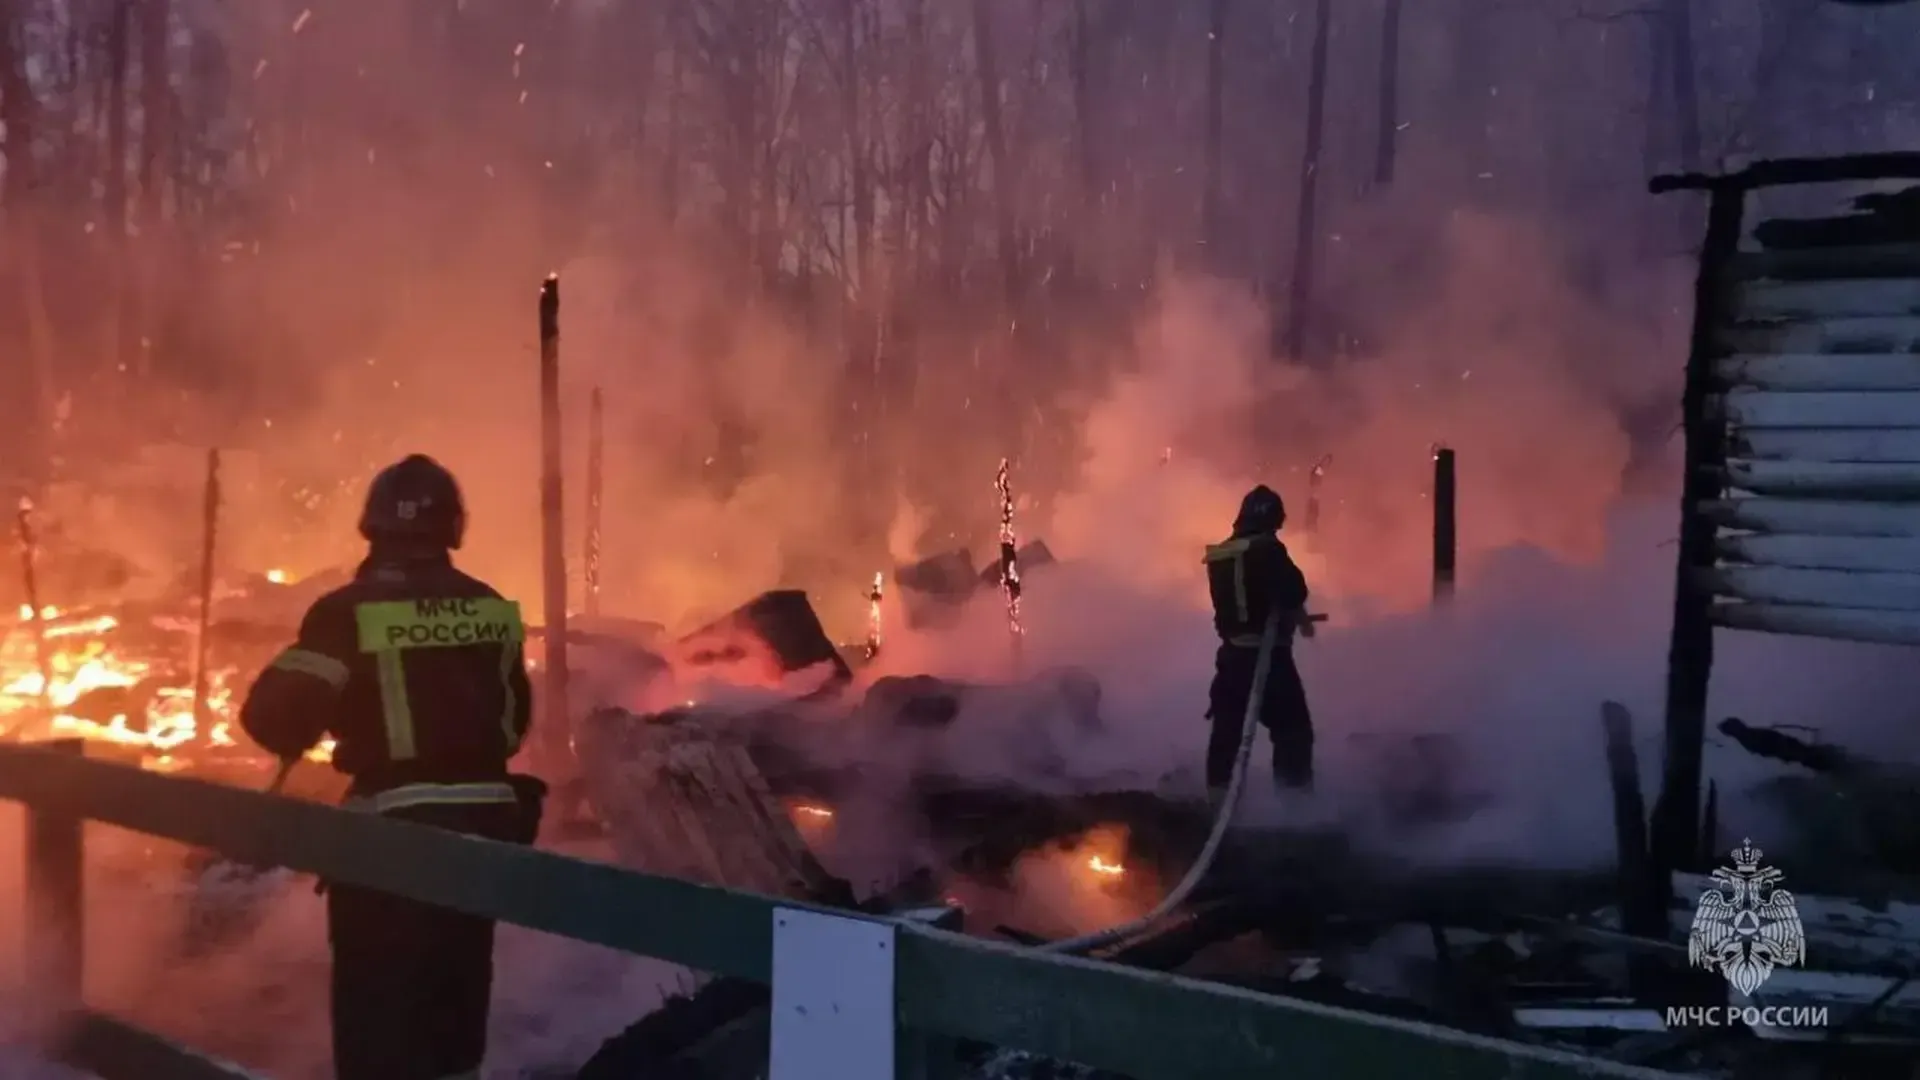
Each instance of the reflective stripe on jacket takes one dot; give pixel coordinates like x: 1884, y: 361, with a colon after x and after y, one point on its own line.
x: 417, y: 671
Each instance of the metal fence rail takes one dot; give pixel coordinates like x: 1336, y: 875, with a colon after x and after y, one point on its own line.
x: 1143, y: 1024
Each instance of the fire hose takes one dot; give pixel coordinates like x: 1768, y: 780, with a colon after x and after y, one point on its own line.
x: 1223, y: 815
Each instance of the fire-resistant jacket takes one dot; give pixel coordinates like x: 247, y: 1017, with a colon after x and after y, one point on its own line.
x: 1248, y: 577
x: 418, y: 673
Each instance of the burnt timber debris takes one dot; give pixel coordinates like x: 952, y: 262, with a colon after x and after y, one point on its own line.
x: 1591, y: 960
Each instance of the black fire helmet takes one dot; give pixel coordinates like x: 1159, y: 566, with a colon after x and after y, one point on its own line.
x: 1260, y: 512
x: 415, y: 499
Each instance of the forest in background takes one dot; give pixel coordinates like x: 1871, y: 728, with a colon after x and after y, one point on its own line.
x: 220, y: 215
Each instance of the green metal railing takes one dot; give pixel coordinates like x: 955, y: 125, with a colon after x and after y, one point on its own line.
x: 945, y: 986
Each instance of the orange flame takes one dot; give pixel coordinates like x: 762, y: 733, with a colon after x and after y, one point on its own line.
x: 1101, y: 866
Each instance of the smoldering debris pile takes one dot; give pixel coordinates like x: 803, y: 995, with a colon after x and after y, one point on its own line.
x: 765, y: 793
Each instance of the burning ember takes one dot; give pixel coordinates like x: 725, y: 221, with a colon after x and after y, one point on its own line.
x: 1108, y: 869
x: 874, y: 596
x: 806, y: 810
x: 110, y: 687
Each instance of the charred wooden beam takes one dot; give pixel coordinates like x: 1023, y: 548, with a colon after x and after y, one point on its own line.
x: 683, y: 799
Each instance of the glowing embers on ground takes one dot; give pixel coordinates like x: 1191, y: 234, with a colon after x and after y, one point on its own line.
x: 104, y: 690
x: 1099, y: 865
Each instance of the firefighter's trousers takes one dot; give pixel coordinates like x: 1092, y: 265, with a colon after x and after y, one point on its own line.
x: 412, y: 983
x: 1283, y: 712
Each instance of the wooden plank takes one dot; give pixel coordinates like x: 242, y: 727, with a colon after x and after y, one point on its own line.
x: 114, y: 1050
x: 1812, y: 517
x: 1840, y: 409
x: 1805, y: 264
x: 1855, y: 589
x: 1821, y: 444
x: 698, y: 926
x: 1821, y: 371
x: 1095, y: 1014
x: 1832, y: 480
x: 1834, y: 624
x: 1887, y: 553
x: 1867, y: 335
x: 1760, y: 301
x: 1880, y: 481
x: 683, y: 797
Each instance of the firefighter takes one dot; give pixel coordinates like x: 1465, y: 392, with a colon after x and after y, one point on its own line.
x: 1250, y: 575
x: 416, y: 670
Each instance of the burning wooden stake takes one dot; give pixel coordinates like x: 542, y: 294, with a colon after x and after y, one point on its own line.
x: 553, y: 527
x: 1444, y: 543
x: 595, y: 483
x: 1311, y: 524
x: 29, y: 558
x: 1009, y: 560
x: 874, y: 596
x: 209, y: 532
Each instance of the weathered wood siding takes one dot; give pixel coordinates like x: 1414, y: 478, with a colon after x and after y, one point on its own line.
x: 1819, y: 523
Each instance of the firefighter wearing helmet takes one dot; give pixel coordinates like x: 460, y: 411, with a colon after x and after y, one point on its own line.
x: 416, y: 670
x: 1249, y: 576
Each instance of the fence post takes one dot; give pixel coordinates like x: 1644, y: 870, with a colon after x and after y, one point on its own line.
x: 55, y: 929
x: 834, y: 1006
x: 1445, y: 543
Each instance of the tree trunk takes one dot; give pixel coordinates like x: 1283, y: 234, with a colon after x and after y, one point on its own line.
x: 859, y: 166
x: 1472, y: 90
x: 114, y: 175
x: 916, y: 186
x: 672, y: 137
x: 1386, y: 148
x: 1677, y: 20
x: 20, y: 113
x: 987, y: 69
x: 1210, y: 226
x: 1300, y: 291
x: 1091, y: 193
x: 1659, y: 83
x: 156, y: 153
x: 123, y: 334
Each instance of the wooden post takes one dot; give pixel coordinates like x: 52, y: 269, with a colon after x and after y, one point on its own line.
x: 1643, y: 899
x: 55, y: 944
x: 1445, y: 543
x: 1009, y: 561
x: 554, y: 714
x: 210, y: 528
x: 1676, y: 815
x: 596, y: 450
x: 29, y: 571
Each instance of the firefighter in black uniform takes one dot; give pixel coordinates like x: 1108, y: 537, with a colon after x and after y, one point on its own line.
x: 1249, y: 576
x: 417, y: 672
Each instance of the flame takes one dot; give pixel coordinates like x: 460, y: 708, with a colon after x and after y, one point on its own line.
x: 809, y: 810
x: 278, y: 576
x: 874, y: 596
x: 84, y: 657
x: 1109, y: 869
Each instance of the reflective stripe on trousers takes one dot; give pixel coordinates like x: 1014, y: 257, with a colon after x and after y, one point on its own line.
x: 480, y: 793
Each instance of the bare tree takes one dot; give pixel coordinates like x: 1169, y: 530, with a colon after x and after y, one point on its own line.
x: 986, y: 57
x: 1387, y: 97
x: 1300, y: 292
x: 1210, y: 228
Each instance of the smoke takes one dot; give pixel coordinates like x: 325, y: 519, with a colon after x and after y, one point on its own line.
x: 375, y: 296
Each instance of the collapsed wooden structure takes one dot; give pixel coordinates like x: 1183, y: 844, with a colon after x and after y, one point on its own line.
x: 1802, y: 515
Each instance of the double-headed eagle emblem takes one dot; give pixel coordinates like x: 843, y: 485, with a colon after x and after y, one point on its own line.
x: 1746, y: 927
